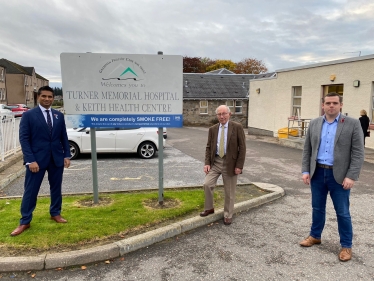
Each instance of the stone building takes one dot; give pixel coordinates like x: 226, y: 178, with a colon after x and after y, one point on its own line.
x: 21, y: 83
x: 204, y: 92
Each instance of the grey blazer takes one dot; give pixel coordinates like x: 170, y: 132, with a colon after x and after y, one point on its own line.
x: 348, y: 148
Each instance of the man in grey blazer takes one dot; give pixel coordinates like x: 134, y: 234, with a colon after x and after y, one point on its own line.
x: 332, y: 159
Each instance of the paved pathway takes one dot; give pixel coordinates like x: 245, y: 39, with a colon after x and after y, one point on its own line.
x: 261, y: 244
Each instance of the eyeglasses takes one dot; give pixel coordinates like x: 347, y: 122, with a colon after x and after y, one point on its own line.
x: 222, y: 114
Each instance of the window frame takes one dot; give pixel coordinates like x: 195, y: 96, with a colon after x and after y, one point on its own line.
x: 294, y: 107
x: 233, y: 107
x: 372, y: 105
x: 203, y: 107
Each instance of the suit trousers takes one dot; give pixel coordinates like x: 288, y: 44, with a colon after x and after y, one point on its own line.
x: 229, y: 185
x: 33, y: 182
x: 322, y: 183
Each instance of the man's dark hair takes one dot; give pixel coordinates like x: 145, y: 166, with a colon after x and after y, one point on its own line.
x: 333, y: 94
x: 45, y: 88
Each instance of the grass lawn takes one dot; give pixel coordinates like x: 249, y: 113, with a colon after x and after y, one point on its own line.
x: 117, y: 216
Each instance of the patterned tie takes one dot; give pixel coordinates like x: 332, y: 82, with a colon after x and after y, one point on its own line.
x: 221, y: 152
x: 49, y: 121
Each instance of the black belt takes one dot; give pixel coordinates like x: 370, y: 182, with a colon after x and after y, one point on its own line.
x: 324, y: 166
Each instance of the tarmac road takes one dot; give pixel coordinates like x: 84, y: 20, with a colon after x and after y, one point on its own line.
x: 261, y: 244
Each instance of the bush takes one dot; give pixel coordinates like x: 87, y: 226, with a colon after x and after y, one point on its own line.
x: 58, y: 103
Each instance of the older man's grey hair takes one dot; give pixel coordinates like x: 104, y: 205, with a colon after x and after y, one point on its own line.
x: 227, y: 108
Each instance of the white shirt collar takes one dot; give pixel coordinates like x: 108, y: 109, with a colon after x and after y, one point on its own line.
x: 43, y: 108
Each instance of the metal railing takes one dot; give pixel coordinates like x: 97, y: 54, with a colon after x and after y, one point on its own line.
x: 299, y: 124
x: 9, y: 136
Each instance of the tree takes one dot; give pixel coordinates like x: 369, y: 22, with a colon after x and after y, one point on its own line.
x: 228, y: 64
x: 193, y: 65
x: 58, y: 91
x: 206, y: 62
x: 250, y: 66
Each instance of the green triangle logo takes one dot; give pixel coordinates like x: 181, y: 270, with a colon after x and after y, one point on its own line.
x: 128, y: 70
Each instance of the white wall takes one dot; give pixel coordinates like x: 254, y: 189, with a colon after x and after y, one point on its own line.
x: 270, y: 109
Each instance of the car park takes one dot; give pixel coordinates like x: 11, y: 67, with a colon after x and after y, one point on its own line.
x: 143, y: 141
x: 18, y: 109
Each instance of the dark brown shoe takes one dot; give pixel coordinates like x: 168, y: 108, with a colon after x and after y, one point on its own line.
x: 207, y: 212
x: 310, y: 241
x: 59, y: 219
x: 227, y: 221
x: 345, y: 254
x: 21, y: 228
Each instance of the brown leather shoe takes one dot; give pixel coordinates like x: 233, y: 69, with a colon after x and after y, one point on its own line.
x: 207, y: 212
x: 345, y: 254
x: 59, y: 219
x: 227, y: 221
x: 310, y: 241
x: 21, y: 228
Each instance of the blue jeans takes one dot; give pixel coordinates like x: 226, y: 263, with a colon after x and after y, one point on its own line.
x: 322, y: 183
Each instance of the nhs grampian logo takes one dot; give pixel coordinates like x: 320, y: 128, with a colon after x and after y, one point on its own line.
x: 122, y: 69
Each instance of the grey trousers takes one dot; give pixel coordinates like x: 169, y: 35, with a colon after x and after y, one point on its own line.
x: 229, y: 182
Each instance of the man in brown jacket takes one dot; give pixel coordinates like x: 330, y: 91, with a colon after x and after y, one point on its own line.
x: 224, y: 155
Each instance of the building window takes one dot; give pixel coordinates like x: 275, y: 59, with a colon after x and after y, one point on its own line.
x: 2, y: 94
x: 296, y: 101
x: 236, y: 107
x: 230, y: 104
x: 2, y: 76
x: 203, y: 107
x: 372, y: 106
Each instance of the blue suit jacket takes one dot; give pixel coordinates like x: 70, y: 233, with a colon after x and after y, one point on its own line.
x: 36, y: 142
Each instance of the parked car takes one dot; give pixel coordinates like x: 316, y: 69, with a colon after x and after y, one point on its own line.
x: 143, y: 141
x: 4, y: 111
x: 18, y: 109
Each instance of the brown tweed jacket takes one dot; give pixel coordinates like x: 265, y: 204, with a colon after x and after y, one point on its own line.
x: 235, y: 147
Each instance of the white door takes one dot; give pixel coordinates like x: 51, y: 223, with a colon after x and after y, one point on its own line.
x: 105, y: 140
x: 127, y: 140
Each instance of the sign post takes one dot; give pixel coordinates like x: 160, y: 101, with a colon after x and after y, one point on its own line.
x: 94, y: 166
x: 160, y: 161
x: 123, y: 91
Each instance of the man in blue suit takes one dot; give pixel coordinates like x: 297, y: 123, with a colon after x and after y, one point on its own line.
x: 45, y: 147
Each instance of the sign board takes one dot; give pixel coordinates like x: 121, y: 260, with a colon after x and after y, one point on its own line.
x: 118, y: 90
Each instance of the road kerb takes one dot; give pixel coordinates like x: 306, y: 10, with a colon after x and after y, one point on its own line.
x: 11, y: 264
x: 80, y: 257
x: 122, y: 247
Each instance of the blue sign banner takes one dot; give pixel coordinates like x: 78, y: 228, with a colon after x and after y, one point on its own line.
x: 123, y: 121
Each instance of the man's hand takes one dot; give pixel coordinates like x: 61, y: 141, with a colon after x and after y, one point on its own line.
x: 66, y: 162
x: 238, y: 171
x: 348, y: 183
x: 306, y: 179
x: 206, y: 169
x: 34, y: 167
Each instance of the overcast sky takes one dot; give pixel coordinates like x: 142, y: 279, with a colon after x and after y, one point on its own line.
x: 281, y: 33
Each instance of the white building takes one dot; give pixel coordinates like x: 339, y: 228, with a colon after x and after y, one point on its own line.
x: 298, y: 91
